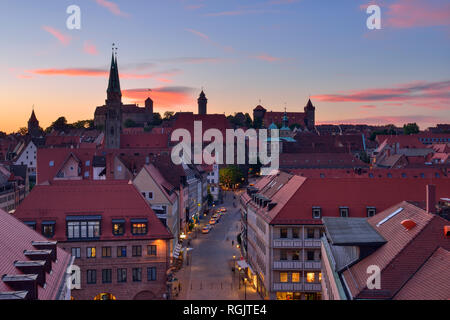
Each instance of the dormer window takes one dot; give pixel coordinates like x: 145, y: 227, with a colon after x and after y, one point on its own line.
x: 118, y: 227
x: 139, y: 226
x: 48, y: 229
x: 343, y: 212
x: 371, y: 211
x: 316, y: 212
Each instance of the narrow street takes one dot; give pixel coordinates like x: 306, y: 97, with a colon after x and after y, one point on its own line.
x: 209, y: 276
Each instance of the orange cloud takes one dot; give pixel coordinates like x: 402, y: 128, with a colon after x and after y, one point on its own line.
x: 62, y: 38
x: 112, y: 7
x: 168, y: 97
x: 85, y: 72
x: 90, y: 48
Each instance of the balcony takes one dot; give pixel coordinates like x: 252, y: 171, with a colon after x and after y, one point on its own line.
x: 287, y: 286
x: 287, y: 243
x: 312, y: 243
x: 296, y: 286
x: 287, y: 265
x: 313, y: 265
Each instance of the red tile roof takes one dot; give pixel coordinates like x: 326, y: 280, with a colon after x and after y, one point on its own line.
x: 15, y: 238
x: 404, y: 252
x: 431, y: 281
x: 319, y: 160
x: 110, y: 199
x: 296, y: 198
x: 144, y: 140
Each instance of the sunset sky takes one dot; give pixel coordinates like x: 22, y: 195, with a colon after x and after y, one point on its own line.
x: 240, y: 51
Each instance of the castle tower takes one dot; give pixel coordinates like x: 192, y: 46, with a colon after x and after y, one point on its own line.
x: 113, y: 123
x: 202, y: 102
x: 33, y: 125
x: 149, y: 105
x: 285, y: 131
x: 310, y: 116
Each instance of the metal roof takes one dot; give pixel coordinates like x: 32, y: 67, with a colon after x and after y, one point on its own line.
x: 351, y: 231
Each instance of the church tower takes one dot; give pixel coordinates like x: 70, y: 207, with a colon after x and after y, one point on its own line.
x: 202, y: 102
x: 310, y: 116
x: 33, y: 126
x: 113, y: 123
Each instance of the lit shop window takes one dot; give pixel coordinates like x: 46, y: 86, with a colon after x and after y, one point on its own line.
x: 283, y: 277
x: 295, y: 277
x: 310, y: 277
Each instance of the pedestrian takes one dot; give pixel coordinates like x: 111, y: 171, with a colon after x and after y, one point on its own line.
x: 232, y: 243
x: 179, y: 286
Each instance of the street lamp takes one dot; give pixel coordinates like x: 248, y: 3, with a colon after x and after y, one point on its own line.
x: 245, y: 288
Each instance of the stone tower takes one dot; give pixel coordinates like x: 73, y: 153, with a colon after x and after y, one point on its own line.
x: 33, y: 126
x: 310, y: 116
x: 113, y: 123
x: 202, y: 102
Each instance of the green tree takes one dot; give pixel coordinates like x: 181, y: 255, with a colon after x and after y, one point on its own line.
x: 230, y: 176
x: 410, y: 128
x: 248, y: 121
x: 23, y: 131
x: 257, y: 123
x: 59, y: 124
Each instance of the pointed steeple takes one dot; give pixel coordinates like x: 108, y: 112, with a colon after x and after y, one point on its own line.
x: 113, y: 91
x: 285, y: 120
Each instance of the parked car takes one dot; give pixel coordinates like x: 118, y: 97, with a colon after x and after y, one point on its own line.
x: 212, y: 221
x: 206, y: 229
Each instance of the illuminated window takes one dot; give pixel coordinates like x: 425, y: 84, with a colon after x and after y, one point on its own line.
x: 139, y: 226
x: 320, y: 276
x: 90, y: 252
x: 118, y: 227
x: 295, y: 277
x: 283, y: 277
x: 310, y: 277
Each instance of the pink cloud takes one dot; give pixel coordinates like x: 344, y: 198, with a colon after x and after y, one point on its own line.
x: 368, y: 106
x: 112, y: 7
x: 207, y: 39
x: 62, y: 38
x: 268, y: 58
x: 383, y: 120
x: 90, y: 48
x: 418, y: 13
x: 399, y: 93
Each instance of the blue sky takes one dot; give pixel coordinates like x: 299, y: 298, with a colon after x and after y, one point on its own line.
x: 277, y: 51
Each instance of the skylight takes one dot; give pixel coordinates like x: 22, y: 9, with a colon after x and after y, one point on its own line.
x: 390, y: 216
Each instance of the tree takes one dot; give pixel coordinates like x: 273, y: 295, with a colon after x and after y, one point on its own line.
x: 248, y: 121
x: 130, y: 123
x: 157, y: 120
x: 168, y: 115
x: 230, y: 176
x: 410, y: 128
x: 257, y: 123
x: 59, y: 124
x: 294, y: 125
x: 23, y: 131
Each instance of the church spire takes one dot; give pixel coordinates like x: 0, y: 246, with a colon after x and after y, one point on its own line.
x: 114, y: 93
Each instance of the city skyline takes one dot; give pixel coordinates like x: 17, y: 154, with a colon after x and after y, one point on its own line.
x: 279, y: 52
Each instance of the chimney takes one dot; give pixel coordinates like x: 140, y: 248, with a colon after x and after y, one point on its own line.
x: 431, y: 198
